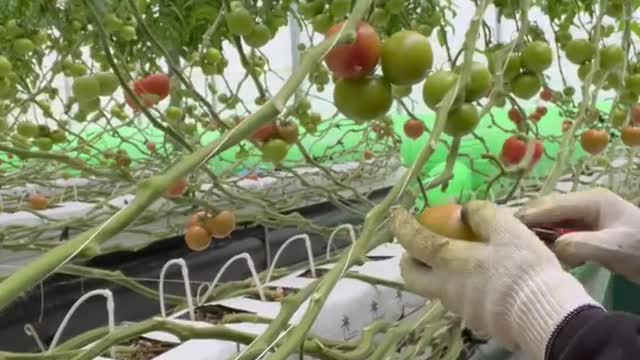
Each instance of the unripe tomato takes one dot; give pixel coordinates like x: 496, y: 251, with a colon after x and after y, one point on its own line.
x: 579, y: 51
x: 446, y: 220
x: 43, y: 143
x: 630, y: 136
x: 289, y: 132
x: 525, y: 86
x: 513, y: 65
x: 197, y: 238
x: 406, y: 58
x: 240, y: 21
x: 632, y: 83
x: 363, y: 99
x: 177, y: 189
x: 611, y: 57
x: 27, y: 129
x: 265, y: 133
x: 414, y: 128
x: 221, y: 225
x: 594, y: 141
x: 173, y: 113
x: 537, y: 57
x: 516, y: 116
x: 436, y: 87
x: 401, y: 91
x: 108, y: 83
x: 479, y: 83
x: 356, y: 60
x: 462, y: 120
x: 515, y: 148
x: 340, y: 8
x: 38, y: 202
x: 86, y: 88
x: 5, y: 66
x: 258, y: 37
x: 23, y: 46
x: 275, y: 150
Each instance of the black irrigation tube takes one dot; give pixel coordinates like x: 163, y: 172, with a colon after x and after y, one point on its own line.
x: 61, y: 291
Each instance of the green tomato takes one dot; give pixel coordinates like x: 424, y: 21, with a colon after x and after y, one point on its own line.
x: 240, y: 21
x: 436, y: 87
x: 406, y: 58
x: 525, y: 86
x: 628, y: 97
x: 611, y: 56
x: 583, y: 72
x: 618, y: 118
x: 613, y: 81
x: 340, y: 8
x: 174, y: 113
x: 5, y: 66
x: 275, y: 150
x: 363, y: 99
x: 579, y: 51
x: 512, y: 68
x: 43, y: 143
x: 632, y: 83
x: 322, y: 23
x: 212, y: 55
x: 19, y: 141
x: 401, y: 91
x: 23, y: 46
x: 395, y: 6
x: 462, y: 120
x: 480, y: 82
x: 108, y: 83
x: 27, y: 129
x: 86, y: 88
x: 537, y: 56
x: 259, y: 37
x: 128, y: 33
x: 563, y: 38
x: 379, y: 17
x: 77, y: 70
x: 90, y: 105
x: 112, y: 23
x: 58, y: 136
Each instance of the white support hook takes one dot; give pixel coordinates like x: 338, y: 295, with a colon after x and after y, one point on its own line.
x: 351, y: 232
x: 187, y: 286
x: 252, y: 268
x: 307, y: 244
x: 30, y: 331
x: 110, y: 313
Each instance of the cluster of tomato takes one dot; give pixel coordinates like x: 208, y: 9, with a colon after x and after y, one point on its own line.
x: 124, y: 29
x: 87, y: 90
x: 118, y: 159
x: 151, y: 89
x: 29, y: 133
x: 274, y: 140
x: 204, y: 227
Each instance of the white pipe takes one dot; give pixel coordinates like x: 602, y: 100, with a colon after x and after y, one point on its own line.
x: 187, y: 286
x: 352, y: 236
x: 307, y: 243
x: 252, y: 268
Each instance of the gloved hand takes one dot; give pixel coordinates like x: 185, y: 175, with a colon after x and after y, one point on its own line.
x: 509, y: 286
x: 614, y: 241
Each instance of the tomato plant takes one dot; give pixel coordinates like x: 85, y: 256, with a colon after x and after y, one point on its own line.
x: 357, y: 60
x: 406, y: 58
x: 594, y: 141
x: 363, y: 99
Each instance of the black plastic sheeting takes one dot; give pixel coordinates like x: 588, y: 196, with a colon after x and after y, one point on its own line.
x: 61, y: 291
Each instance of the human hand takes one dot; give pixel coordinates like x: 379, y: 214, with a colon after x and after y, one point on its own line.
x: 610, y: 227
x: 509, y: 285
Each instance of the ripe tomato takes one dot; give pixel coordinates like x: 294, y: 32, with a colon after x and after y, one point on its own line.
x: 436, y: 87
x: 525, y: 86
x: 265, y: 133
x: 515, y: 148
x: 363, y: 99
x: 594, y: 141
x: 368, y: 155
x: 537, y: 56
x: 462, y: 120
x: 177, y: 189
x: 356, y: 60
x: 536, y: 116
x: 151, y: 147
x: 414, y: 128
x: 199, y: 218
x: 38, y: 202
x: 446, y: 221
x: 579, y: 51
x: 156, y: 84
x: 197, y: 238
x: 146, y: 98
x: 221, y: 225
x: 289, y: 132
x: 635, y: 114
x: 631, y: 136
x: 406, y: 58
x: 252, y: 176
x: 479, y: 83
x: 546, y: 94
x: 611, y: 56
x: 275, y: 150
x: 516, y: 115
x: 542, y: 110
x: 566, y: 125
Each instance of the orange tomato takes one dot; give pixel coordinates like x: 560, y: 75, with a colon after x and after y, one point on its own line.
x: 38, y: 202
x: 221, y: 225
x: 445, y: 220
x: 631, y: 136
x: 594, y: 141
x: 177, y: 189
x: 197, y: 238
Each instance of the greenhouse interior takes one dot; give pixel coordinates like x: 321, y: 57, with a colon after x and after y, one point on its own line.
x: 332, y: 179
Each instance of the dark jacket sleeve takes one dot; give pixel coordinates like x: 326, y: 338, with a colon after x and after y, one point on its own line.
x: 590, y: 333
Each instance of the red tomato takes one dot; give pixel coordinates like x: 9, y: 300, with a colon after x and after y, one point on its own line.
x: 594, y: 141
x: 536, y: 116
x: 177, y: 189
x: 635, y: 114
x: 413, y: 128
x: 252, y: 176
x: 542, y: 110
x: 151, y: 147
x: 265, y: 133
x: 566, y: 125
x: 147, y: 99
x: 356, y: 60
x: 157, y: 84
x: 368, y: 155
x: 516, y: 116
x: 546, y: 94
x: 38, y: 202
x: 515, y: 148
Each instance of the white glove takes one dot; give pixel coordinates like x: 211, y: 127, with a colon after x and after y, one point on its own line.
x: 509, y: 286
x: 614, y: 241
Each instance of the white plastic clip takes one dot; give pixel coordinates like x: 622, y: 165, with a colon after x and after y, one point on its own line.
x: 352, y: 236
x: 187, y: 286
x: 307, y: 244
x: 252, y: 268
x: 110, y: 313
